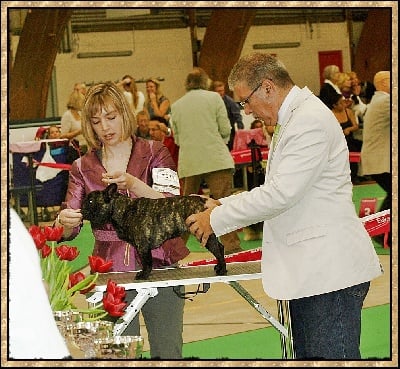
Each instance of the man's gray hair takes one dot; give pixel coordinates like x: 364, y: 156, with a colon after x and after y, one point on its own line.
x: 197, y: 79
x: 252, y: 69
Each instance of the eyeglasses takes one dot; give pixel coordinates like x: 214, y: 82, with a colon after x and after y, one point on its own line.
x: 247, y: 99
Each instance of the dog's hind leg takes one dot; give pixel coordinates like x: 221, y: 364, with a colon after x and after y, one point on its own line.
x: 146, y: 261
x: 217, y: 249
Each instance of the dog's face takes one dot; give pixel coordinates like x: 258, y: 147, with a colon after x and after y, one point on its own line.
x: 96, y: 206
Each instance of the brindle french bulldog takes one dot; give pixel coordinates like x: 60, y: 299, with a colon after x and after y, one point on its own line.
x: 146, y: 223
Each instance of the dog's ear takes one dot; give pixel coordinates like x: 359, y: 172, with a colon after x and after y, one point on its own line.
x: 110, y: 191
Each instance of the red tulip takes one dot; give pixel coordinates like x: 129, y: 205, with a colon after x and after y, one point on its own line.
x: 65, y: 252
x: 114, y: 306
x: 34, y: 229
x: 39, y: 238
x: 77, y: 277
x: 98, y: 264
x: 53, y: 233
x: 45, y: 251
x: 117, y: 291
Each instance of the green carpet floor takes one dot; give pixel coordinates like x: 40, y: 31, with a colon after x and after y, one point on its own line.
x: 264, y: 343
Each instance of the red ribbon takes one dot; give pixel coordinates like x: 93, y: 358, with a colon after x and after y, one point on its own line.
x: 63, y: 166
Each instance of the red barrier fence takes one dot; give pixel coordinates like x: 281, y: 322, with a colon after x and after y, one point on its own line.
x: 375, y: 224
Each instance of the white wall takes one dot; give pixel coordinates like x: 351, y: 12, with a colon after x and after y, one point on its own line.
x: 156, y: 53
x: 168, y: 54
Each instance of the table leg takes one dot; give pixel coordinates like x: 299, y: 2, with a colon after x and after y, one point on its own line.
x: 134, y: 307
x: 32, y: 192
x: 285, y: 333
x: 244, y: 172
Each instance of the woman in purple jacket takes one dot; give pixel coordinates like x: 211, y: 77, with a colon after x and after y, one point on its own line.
x: 116, y: 155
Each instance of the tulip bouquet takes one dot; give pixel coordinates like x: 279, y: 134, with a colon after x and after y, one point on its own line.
x: 62, y: 284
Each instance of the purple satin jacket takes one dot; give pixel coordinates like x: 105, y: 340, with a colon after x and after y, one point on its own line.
x: 85, y: 176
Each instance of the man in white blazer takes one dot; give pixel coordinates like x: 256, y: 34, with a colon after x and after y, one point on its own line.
x: 316, y: 252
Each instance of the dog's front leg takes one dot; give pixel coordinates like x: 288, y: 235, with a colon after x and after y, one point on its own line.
x: 217, y: 249
x: 146, y: 261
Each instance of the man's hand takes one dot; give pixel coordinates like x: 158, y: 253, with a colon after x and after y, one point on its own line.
x: 199, y: 225
x: 212, y: 203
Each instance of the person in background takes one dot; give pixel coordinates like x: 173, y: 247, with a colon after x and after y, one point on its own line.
x: 201, y: 129
x: 343, y: 81
x: 256, y: 123
x: 367, y: 91
x: 32, y: 330
x: 80, y: 87
x: 329, y: 87
x: 159, y: 131
x: 316, y: 254
x: 134, y: 96
x: 116, y: 155
x: 232, y: 108
x: 268, y: 130
x: 256, y: 177
x: 376, y: 150
x: 54, y: 132
x: 347, y: 121
x: 156, y: 104
x: 71, y: 127
x: 358, y: 106
x: 143, y: 120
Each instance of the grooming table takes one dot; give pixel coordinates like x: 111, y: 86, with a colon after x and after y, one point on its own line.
x: 191, y: 275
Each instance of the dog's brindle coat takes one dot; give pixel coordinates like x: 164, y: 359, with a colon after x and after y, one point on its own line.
x: 146, y: 223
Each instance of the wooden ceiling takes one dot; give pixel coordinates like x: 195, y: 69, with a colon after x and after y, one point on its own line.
x: 123, y: 19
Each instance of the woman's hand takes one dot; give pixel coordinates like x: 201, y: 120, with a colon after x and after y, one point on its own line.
x: 69, y: 218
x: 123, y: 180
x: 130, y: 183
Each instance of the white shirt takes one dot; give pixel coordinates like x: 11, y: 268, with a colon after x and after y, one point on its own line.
x: 33, y: 333
x: 140, y: 103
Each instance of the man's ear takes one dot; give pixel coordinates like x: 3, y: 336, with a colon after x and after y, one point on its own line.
x: 268, y: 85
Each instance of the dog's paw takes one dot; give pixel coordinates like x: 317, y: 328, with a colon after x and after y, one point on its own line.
x: 220, y: 269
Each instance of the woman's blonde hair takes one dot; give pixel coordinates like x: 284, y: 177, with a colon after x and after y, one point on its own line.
x: 75, y: 100
x: 133, y: 89
x: 341, y: 79
x: 158, y: 92
x: 106, y: 96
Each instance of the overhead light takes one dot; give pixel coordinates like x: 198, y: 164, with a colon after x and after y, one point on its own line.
x: 104, y: 54
x: 276, y: 45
